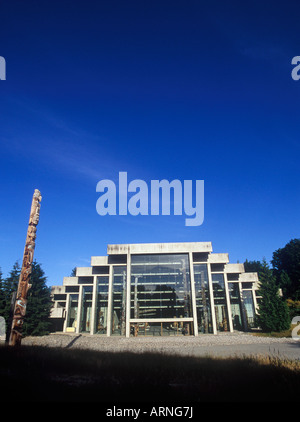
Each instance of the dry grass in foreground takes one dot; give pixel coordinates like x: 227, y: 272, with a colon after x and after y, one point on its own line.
x: 65, y: 375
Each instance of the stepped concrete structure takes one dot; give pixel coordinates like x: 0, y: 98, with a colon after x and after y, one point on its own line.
x: 157, y: 289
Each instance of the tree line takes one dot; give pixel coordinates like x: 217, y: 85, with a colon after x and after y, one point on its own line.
x: 279, y: 291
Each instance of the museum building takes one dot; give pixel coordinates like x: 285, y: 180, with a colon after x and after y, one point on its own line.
x: 157, y: 289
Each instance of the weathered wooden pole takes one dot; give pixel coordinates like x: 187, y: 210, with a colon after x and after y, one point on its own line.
x: 23, y: 287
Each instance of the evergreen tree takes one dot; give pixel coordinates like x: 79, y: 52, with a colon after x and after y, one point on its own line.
x: 273, y: 313
x: 9, y: 285
x: 36, y: 322
x: 253, y: 266
x: 285, y: 283
x: 288, y: 259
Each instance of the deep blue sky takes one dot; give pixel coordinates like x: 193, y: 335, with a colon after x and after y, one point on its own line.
x: 160, y: 89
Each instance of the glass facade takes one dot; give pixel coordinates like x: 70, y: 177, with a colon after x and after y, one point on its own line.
x: 160, y: 286
x: 86, y: 309
x: 235, y: 304
x: 221, y: 310
x: 101, y: 315
x: 159, y: 294
x: 160, y: 289
x: 149, y: 328
x: 118, y: 309
x: 72, y: 312
x: 248, y: 308
x: 203, y: 304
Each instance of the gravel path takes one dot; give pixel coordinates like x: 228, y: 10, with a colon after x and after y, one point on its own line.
x: 225, y: 344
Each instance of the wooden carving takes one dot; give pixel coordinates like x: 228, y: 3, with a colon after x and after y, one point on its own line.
x: 24, y: 286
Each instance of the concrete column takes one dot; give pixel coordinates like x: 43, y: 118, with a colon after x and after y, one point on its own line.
x: 193, y: 293
x: 254, y: 299
x: 228, y: 303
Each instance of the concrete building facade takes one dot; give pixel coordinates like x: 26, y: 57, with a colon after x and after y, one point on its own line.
x: 157, y: 289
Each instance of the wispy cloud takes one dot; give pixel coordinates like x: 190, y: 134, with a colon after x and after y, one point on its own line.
x: 59, y: 144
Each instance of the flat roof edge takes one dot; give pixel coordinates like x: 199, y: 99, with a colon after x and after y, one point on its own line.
x: 137, y: 248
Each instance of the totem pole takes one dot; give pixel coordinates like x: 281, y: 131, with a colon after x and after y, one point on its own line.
x: 23, y: 287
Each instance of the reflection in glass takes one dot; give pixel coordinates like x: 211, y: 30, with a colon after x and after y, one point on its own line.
x: 86, y: 310
x: 118, y: 300
x: 160, y: 287
x: 101, y: 305
x: 72, y: 312
x: 149, y: 328
x: 220, y: 302
x: 248, y: 307
x: 235, y: 304
x: 202, y: 299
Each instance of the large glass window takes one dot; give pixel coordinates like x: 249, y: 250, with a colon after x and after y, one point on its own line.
x: 202, y: 299
x: 118, y: 300
x: 248, y: 307
x: 101, y: 305
x: 149, y: 328
x: 235, y: 304
x: 86, y: 310
x: 72, y: 312
x: 220, y: 302
x: 160, y: 287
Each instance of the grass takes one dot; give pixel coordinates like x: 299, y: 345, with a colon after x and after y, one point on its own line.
x: 280, y: 334
x: 70, y: 375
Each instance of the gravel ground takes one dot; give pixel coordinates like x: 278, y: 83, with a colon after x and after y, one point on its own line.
x: 225, y: 344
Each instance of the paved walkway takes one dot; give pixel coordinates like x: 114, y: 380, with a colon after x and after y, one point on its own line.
x: 221, y: 345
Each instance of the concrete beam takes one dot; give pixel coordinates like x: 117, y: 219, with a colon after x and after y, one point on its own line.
x: 159, y: 248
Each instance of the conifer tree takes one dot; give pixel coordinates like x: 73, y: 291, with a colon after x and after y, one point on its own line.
x: 36, y: 322
x: 253, y: 266
x: 288, y: 259
x: 284, y: 282
x: 9, y: 285
x: 273, y: 314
